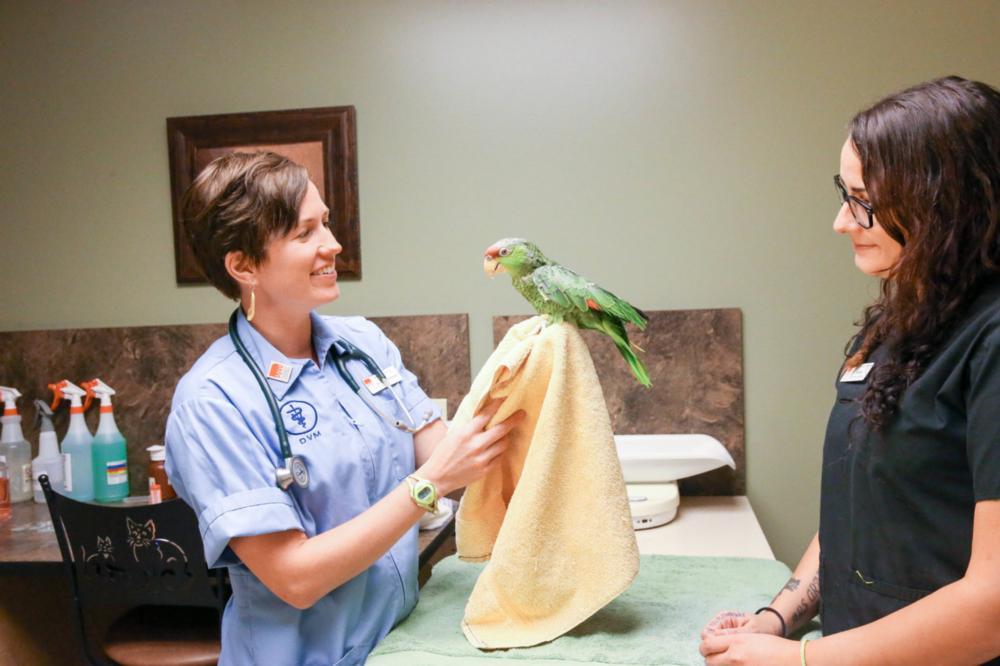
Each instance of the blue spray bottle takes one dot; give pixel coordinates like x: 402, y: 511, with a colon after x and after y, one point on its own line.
x: 77, y: 451
x: 110, y: 462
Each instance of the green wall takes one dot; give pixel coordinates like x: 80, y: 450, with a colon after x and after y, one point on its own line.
x: 679, y: 153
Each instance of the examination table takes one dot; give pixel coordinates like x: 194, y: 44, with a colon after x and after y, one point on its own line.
x: 656, y: 621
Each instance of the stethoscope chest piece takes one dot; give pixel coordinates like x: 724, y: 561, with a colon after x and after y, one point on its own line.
x: 294, y: 471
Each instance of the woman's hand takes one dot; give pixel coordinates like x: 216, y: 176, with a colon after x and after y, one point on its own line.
x: 746, y: 649
x: 467, y: 451
x: 736, y: 622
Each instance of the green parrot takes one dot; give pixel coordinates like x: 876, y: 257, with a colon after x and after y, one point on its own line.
x: 560, y: 294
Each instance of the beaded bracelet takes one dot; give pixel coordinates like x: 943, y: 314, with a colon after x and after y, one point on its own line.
x: 784, y: 628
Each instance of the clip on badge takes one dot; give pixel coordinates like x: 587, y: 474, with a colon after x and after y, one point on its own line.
x: 857, y: 374
x: 392, y: 376
x: 279, y: 371
x: 373, y: 384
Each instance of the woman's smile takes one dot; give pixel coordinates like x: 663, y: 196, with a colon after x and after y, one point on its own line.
x: 328, y: 272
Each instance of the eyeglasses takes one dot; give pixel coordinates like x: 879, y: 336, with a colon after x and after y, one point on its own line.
x: 861, y: 210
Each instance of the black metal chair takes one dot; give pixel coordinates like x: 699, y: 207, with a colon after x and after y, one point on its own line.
x: 147, y: 557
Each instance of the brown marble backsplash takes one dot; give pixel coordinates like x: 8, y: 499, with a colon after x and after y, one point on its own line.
x: 144, y: 363
x: 694, y: 358
x: 695, y: 361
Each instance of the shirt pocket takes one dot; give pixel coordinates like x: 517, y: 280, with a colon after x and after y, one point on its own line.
x: 341, y: 465
x: 882, y: 562
x: 887, y: 589
x: 397, y: 444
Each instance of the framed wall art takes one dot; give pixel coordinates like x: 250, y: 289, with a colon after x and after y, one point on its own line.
x: 323, y: 140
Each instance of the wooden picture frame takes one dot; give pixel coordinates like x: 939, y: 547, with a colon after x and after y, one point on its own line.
x: 324, y: 140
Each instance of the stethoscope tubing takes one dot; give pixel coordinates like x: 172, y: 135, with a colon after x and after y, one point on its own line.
x: 294, y: 469
x: 272, y: 402
x: 353, y: 352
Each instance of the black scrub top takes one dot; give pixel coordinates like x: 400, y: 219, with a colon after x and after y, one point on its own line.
x: 896, y: 508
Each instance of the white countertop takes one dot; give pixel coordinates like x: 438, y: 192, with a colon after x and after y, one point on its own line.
x: 716, y: 526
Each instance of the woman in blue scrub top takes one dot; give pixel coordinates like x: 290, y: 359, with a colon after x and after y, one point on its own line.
x: 905, y: 568
x: 319, y: 574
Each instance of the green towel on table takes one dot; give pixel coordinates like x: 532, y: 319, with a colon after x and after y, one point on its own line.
x: 656, y: 621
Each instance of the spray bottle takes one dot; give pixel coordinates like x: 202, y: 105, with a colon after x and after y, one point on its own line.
x: 14, y: 449
x: 110, y: 462
x: 78, y: 475
x: 48, y: 461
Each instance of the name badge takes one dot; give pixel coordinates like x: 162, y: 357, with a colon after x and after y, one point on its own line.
x: 858, y: 374
x: 373, y: 384
x: 392, y: 376
x: 279, y: 372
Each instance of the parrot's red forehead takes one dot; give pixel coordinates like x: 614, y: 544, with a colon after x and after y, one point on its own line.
x: 493, y: 251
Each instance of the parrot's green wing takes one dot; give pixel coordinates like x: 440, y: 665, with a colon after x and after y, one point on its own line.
x: 571, y: 290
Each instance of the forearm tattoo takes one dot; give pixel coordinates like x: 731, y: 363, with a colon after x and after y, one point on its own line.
x: 792, y: 585
x: 807, y: 607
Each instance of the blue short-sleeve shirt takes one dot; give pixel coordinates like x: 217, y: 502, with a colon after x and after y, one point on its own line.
x: 222, y: 451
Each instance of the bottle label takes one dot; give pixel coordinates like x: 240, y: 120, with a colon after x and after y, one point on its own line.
x: 26, y: 477
x: 117, y: 472
x: 68, y: 472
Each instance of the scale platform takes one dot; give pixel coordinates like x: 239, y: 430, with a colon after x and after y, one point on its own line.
x: 653, y: 504
x: 652, y: 465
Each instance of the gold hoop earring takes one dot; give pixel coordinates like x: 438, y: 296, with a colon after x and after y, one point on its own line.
x: 253, y: 304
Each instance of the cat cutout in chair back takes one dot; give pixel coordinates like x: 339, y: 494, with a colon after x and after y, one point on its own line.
x: 102, y: 562
x: 105, y: 551
x: 150, y: 551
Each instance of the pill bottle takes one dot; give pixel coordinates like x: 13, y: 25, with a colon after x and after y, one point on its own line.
x: 158, y: 473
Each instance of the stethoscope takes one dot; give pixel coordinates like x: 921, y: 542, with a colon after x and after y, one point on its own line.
x: 294, y: 469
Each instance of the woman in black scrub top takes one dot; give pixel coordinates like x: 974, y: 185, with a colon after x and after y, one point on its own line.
x: 905, y: 568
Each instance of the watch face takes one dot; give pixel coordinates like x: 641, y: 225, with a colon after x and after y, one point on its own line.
x: 425, y: 494
x: 299, y: 472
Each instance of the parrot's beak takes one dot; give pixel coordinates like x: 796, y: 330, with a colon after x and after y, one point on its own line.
x: 491, y: 266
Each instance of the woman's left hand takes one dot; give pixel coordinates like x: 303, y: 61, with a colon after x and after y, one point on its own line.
x: 743, y: 649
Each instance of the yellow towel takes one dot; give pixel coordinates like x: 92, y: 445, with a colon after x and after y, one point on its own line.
x: 553, y: 517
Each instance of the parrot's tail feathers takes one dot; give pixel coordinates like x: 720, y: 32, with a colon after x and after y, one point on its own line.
x: 643, y: 319
x: 638, y: 369
x: 633, y: 315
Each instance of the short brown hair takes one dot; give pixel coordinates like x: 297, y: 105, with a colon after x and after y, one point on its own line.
x: 238, y: 203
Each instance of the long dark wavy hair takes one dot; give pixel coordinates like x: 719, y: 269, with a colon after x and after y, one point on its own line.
x: 930, y: 158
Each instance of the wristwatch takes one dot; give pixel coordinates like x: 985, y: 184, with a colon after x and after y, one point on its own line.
x: 423, y: 493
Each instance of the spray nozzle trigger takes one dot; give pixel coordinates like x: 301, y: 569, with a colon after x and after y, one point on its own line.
x: 89, y: 388
x: 9, y: 396
x: 57, y: 393
x: 66, y: 390
x: 95, y: 387
x: 42, y: 414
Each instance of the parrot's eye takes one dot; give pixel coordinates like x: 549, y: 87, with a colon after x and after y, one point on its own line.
x: 504, y: 251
